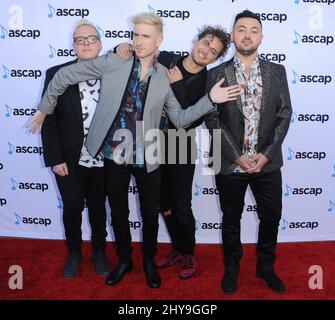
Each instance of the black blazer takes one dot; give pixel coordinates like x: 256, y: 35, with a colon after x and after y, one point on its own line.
x: 62, y: 132
x: 274, y: 122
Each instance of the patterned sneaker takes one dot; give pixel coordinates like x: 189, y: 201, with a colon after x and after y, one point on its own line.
x: 173, y: 257
x: 188, y: 267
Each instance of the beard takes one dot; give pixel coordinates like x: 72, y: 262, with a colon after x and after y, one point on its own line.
x: 246, y: 52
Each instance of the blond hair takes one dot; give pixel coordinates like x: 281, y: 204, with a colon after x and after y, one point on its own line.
x: 149, y: 18
x: 88, y: 23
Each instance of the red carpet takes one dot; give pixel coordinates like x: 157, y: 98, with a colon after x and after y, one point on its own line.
x: 42, y: 260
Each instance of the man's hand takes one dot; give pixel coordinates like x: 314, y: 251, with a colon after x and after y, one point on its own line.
x: 61, y: 169
x: 36, y: 122
x: 260, y: 161
x: 124, y: 49
x: 174, y: 74
x: 219, y: 94
x: 244, y: 162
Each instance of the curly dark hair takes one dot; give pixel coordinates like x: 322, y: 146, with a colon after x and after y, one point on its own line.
x: 218, y: 32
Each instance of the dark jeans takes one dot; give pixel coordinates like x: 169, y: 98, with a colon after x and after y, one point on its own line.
x: 267, y: 190
x: 176, y: 194
x: 84, y: 183
x: 117, y: 183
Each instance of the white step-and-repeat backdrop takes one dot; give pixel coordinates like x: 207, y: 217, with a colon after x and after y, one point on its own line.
x: 35, y: 35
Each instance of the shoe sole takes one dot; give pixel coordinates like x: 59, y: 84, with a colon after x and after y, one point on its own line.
x: 125, y: 272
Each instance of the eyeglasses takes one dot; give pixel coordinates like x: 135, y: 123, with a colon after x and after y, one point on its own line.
x: 81, y: 40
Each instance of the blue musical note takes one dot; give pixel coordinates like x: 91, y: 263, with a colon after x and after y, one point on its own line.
x: 11, y: 148
x: 8, y: 110
x: 18, y: 219
x: 52, y: 51
x: 151, y: 9
x: 297, y: 37
x: 197, y: 224
x: 331, y: 209
x: 293, y: 117
x: 285, y: 224
x: 288, y: 190
x: 197, y: 190
x: 3, y: 32
x: 291, y: 154
x: 6, y: 72
x: 14, y: 184
x: 51, y: 11
x: 296, y: 77
x: 101, y: 32
x: 60, y: 203
x: 333, y: 175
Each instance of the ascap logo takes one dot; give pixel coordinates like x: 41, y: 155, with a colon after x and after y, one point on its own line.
x: 317, y: 79
x: 67, y: 12
x: 211, y: 225
x: 274, y: 57
x: 328, y: 2
x: 251, y: 208
x: 20, y: 73
x: 181, y: 53
x: 32, y: 220
x: 19, y: 33
x: 134, y: 224
x: 178, y: 14
x: 24, y: 149
x: 206, y: 190
x: 10, y: 111
x: 132, y: 189
x: 53, y: 52
x: 319, y: 39
x: 309, y: 155
x: 314, y: 191
x: 309, y: 117
x: 35, y: 186
x: 298, y: 224
x: 278, y: 17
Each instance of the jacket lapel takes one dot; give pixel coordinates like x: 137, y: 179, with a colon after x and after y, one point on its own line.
x: 231, y: 80
x: 265, y: 73
x: 75, y: 96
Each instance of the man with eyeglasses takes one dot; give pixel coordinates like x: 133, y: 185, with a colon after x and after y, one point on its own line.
x: 79, y: 176
x: 187, y: 77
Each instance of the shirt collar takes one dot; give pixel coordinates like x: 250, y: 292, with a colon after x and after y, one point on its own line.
x: 240, y: 65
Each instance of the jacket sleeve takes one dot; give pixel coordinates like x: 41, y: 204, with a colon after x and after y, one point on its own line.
x: 283, y: 118
x: 73, y: 74
x: 52, y: 151
x: 182, y: 118
x: 229, y: 147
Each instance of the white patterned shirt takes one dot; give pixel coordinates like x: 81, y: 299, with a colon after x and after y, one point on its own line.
x: 251, y: 100
x: 89, y: 95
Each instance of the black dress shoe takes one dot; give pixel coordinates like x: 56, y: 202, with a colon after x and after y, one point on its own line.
x: 152, y: 274
x: 100, y: 260
x: 229, y: 282
x: 271, y: 279
x: 117, y: 274
x: 71, y: 267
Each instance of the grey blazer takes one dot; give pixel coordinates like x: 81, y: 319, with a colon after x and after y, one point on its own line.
x: 114, y: 73
x: 274, y: 122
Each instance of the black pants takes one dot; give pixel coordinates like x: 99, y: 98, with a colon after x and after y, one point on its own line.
x: 176, y: 194
x: 117, y: 183
x: 267, y: 191
x: 84, y: 183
